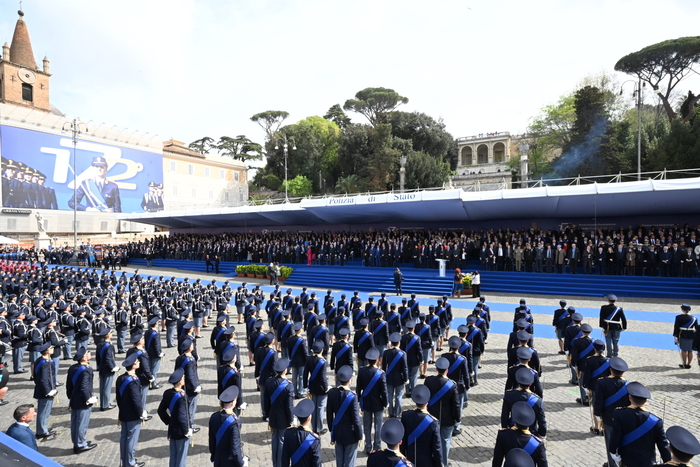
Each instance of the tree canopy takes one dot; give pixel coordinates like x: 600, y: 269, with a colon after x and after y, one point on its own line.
x: 375, y: 104
x: 667, y: 61
x: 270, y: 121
x: 240, y: 148
x: 335, y: 114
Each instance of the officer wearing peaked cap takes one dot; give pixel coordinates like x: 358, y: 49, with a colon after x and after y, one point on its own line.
x: 518, y: 458
x: 265, y: 358
x: 522, y: 393
x: 613, y: 322
x: 343, y: 416
x: 458, y: 372
x: 130, y: 411
x: 227, y: 375
x: 173, y: 411
x: 421, y: 439
x: 580, y: 349
x: 683, y: 446
x: 341, y: 352
x: 188, y: 363
x: 396, y: 367
x: 519, y: 436
x: 315, y: 380
x: 571, y: 333
x: 560, y: 321
x: 635, y: 431
x: 595, y: 367
x: 302, y: 447
x: 444, y: 404
x: 392, y: 434
x: 524, y: 338
x: 610, y: 394
x: 372, y: 392
x: 144, y: 370
x: 79, y: 391
x: 684, y: 332
x: 298, y: 352
x: 44, y: 391
x: 278, y: 406
x: 225, y: 433
x: 524, y: 354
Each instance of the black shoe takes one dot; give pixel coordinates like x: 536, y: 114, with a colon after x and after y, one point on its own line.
x: 58, y: 385
x: 196, y: 429
x: 147, y: 418
x: 139, y: 464
x: 46, y: 437
x: 157, y: 386
x: 22, y: 370
x: 205, y: 326
x: 456, y: 432
x: 681, y: 365
x: 561, y: 352
x: 324, y: 431
x: 421, y: 376
x: 88, y: 447
x: 104, y: 409
x: 3, y: 402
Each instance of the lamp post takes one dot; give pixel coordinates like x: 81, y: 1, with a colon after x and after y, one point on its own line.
x: 285, y: 145
x: 402, y: 172
x: 638, y: 94
x: 523, y: 147
x: 76, y: 127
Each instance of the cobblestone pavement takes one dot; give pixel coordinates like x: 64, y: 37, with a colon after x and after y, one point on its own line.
x: 676, y: 398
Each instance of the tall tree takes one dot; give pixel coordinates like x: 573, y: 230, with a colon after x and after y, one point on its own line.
x: 270, y: 121
x: 375, y: 104
x: 426, y: 134
x: 368, y: 152
x: 669, y: 61
x: 240, y: 148
x: 336, y: 114
x: 204, y: 145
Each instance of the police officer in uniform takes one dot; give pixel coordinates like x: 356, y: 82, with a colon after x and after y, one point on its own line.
x: 411, y: 344
x: 265, y: 358
x: 519, y: 436
x: 572, y: 332
x: 225, y: 433
x: 173, y: 411
x: 522, y: 393
x: 372, y: 392
x: 44, y: 391
x: 302, y: 447
x: 298, y: 352
x: 227, y: 375
x: 444, y: 404
x: 635, y: 431
x: 421, y: 441
x: 316, y: 382
x: 613, y: 322
x: 458, y: 372
x: 684, y: 331
x: 106, y: 368
x: 610, y: 394
x: 392, y: 434
x: 130, y: 411
x: 341, y: 353
x: 560, y: 321
x: 524, y: 355
x: 595, y: 367
x: 153, y: 350
x: 79, y: 392
x: 343, y: 416
x: 580, y: 350
x: 683, y: 446
x: 278, y: 406
x: 188, y: 363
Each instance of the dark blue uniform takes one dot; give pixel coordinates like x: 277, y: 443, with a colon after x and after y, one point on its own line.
x: 512, y: 438
x: 225, y: 445
x: 173, y: 411
x: 422, y: 448
x: 130, y: 411
x: 310, y: 453
x: 533, y: 400
x: 278, y: 405
x: 638, y: 450
x: 341, y: 355
x: 387, y: 458
x: 79, y: 391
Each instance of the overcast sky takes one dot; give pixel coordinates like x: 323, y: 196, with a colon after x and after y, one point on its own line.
x: 188, y: 69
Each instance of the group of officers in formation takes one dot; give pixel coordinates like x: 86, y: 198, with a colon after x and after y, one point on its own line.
x: 325, y: 344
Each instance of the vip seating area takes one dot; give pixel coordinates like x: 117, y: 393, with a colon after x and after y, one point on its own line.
x: 353, y: 276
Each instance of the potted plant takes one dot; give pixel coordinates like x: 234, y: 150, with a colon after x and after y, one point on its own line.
x: 285, y: 272
x: 241, y: 270
x: 467, y: 282
x: 260, y: 271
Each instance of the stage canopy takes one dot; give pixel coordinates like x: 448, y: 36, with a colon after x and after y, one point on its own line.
x: 642, y: 198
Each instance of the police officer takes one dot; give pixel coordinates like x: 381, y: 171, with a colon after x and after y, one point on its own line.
x: 610, y: 394
x: 225, y: 433
x: 79, y: 392
x: 684, y: 331
x: 265, y: 358
x: 572, y: 332
x: 106, y: 368
x: 635, y: 431
x: 522, y: 393
x: 459, y: 373
x: 278, y: 406
x: 683, y: 446
x: 153, y: 350
x: 302, y: 447
x: 411, y: 344
x: 320, y: 332
x: 560, y: 320
x: 444, y: 404
x: 362, y: 342
x: 316, y: 382
x: 298, y: 352
x: 143, y: 371
x: 524, y: 355
x: 121, y: 324
x: 380, y: 333
x: 188, y: 363
x: 392, y: 434
x: 580, y: 350
x: 613, y: 322
x: 228, y: 342
x: 130, y: 411
x: 44, y: 391
x: 341, y: 353
x: 396, y: 367
x: 519, y: 436
x: 475, y: 337
x: 173, y: 411
x: 228, y: 375
x: 595, y: 367
x: 421, y: 441
x: 343, y: 417
x: 19, y: 342
x: 524, y: 338
x: 372, y: 392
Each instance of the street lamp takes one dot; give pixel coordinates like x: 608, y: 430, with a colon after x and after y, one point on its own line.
x: 638, y: 94
x: 523, y: 147
x: 285, y: 145
x: 76, y: 127
x: 402, y: 172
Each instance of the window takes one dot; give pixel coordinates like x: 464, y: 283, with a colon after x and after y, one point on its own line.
x: 27, y: 92
x: 104, y: 226
x: 174, y: 190
x: 173, y: 166
x: 206, y: 172
x: 190, y: 169
x: 222, y: 174
x: 235, y: 176
x: 194, y: 192
x: 11, y: 224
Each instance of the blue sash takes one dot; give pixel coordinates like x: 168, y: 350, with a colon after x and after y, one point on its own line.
x: 363, y: 338
x: 267, y: 359
x: 94, y: 196
x: 342, y: 351
x: 103, y: 349
x: 295, y: 348
x: 443, y: 390
x: 531, y: 445
x: 311, y: 316
x: 173, y: 401
x: 471, y: 335
x: 230, y: 373
x: 689, y: 324
x: 224, y: 426
x: 221, y: 331
x: 370, y: 311
x: 317, y: 368
x: 414, y: 339
x: 456, y: 364
x: 150, y: 339
x: 563, y: 315
x: 381, y: 325
x: 585, y: 352
x: 615, y: 397
x: 185, y: 362
x: 617, y: 308
x: 406, y: 311
x: 230, y: 344
x: 319, y: 332
x: 278, y: 391
x: 414, y: 305
x: 464, y: 347
x: 76, y: 375
x: 257, y: 340
x: 338, y: 416
x: 532, y: 400
x: 422, y: 426
x: 284, y: 331
x: 37, y: 366
x: 640, y: 431
x: 303, y: 447
x: 392, y: 317
x: 393, y: 363
x: 423, y: 329
x: 370, y: 386
x: 598, y: 371
x: 125, y: 384
x: 340, y: 324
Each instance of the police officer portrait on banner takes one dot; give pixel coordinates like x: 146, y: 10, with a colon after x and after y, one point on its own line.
x: 97, y: 193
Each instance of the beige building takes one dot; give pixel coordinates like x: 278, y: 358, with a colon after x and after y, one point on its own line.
x: 38, y: 138
x: 483, y: 161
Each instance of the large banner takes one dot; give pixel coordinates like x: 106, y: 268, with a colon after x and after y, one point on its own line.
x: 37, y: 172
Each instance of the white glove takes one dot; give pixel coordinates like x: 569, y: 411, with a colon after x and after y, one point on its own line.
x: 244, y: 405
x: 151, y: 379
x: 144, y: 414
x: 162, y: 354
x: 52, y: 393
x: 566, y: 352
x: 616, y: 457
x: 115, y: 369
x: 245, y: 461
x: 189, y: 433
x: 198, y: 389
x: 92, y: 400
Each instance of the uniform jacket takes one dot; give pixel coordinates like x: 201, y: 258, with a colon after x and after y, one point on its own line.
x: 349, y: 428
x: 374, y: 400
x: 177, y: 419
x: 227, y: 452
x: 445, y: 409
x: 426, y: 450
